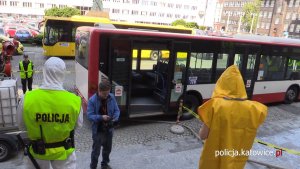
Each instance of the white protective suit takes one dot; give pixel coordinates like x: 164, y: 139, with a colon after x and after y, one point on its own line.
x: 53, y: 72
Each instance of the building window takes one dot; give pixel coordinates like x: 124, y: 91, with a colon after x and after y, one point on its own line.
x: 126, y: 1
x: 265, y: 14
x: 288, y: 15
x: 177, y: 16
x: 292, y: 27
x: 291, y: 3
x: 13, y: 3
x: 27, y: 4
x: 178, y: 6
x: 62, y: 6
x: 277, y: 20
x: 270, y: 15
x: 2, y: 3
x: 272, y: 3
x: 115, y: 10
x: 297, y: 3
x: 169, y: 15
x: 170, y: 5
x: 294, y: 16
x: 144, y: 13
x: 285, y: 27
x: 194, y: 8
x: 145, y: 3
x: 263, y: 25
x: 161, y: 14
x: 53, y: 5
x: 135, y: 1
x: 134, y: 12
x: 153, y: 3
x: 186, y: 7
x: 125, y: 11
x: 268, y: 25
x: 42, y: 5
x: 152, y: 13
x: 279, y: 8
x: 297, y: 29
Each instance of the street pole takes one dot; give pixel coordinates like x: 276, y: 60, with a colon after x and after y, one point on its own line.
x: 226, y: 29
x: 252, y: 23
x: 257, y: 24
x: 239, y: 26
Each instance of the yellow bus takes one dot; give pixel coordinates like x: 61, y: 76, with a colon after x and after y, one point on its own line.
x: 60, y: 40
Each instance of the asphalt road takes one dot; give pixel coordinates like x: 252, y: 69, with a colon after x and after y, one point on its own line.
x: 140, y: 144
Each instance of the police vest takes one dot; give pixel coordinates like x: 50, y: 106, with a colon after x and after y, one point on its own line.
x: 57, y: 113
x: 29, y: 70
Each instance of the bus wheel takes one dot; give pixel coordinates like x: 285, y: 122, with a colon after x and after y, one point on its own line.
x: 154, y: 55
x: 291, y: 94
x: 4, y: 151
x: 191, y: 102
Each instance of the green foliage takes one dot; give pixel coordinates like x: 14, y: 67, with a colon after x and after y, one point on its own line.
x: 191, y: 25
x: 184, y: 23
x: 251, y: 10
x: 179, y: 22
x: 62, y: 12
x: 37, y: 39
x: 202, y: 28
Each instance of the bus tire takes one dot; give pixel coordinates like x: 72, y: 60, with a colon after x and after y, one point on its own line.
x: 5, y: 150
x: 291, y: 94
x: 154, y: 55
x: 191, y: 102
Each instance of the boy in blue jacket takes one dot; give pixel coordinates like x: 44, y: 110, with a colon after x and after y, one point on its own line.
x: 102, y: 111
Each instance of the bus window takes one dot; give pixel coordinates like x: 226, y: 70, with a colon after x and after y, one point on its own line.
x: 221, y: 64
x: 238, y: 60
x: 201, y: 67
x: 293, y: 71
x: 271, y: 67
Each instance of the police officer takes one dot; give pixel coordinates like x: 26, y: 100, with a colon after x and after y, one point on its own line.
x: 26, y: 73
x: 50, y: 114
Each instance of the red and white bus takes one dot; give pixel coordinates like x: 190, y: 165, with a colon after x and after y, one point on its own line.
x: 270, y: 67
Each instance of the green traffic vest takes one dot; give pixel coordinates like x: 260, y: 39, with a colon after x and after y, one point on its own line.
x: 57, y: 112
x: 29, y: 70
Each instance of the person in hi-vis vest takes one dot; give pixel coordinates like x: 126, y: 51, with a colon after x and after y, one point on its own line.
x: 50, y: 114
x: 26, y: 73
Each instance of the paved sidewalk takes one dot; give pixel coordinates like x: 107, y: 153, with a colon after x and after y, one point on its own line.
x: 178, y: 153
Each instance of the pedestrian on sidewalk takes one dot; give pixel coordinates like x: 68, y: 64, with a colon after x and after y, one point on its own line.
x: 26, y: 73
x: 49, y: 114
x: 102, y: 111
x: 230, y: 123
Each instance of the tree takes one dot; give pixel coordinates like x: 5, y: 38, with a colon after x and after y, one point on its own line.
x: 191, y: 25
x: 97, y: 5
x: 184, y: 23
x: 62, y: 12
x: 179, y: 22
x: 251, y: 13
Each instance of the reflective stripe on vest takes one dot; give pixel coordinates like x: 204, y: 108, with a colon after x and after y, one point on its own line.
x: 29, y: 70
x: 57, y: 112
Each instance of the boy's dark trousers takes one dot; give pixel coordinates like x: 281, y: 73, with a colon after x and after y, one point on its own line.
x: 103, y: 139
x: 24, y: 86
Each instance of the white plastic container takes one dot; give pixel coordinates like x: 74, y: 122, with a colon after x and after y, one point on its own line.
x: 8, y: 103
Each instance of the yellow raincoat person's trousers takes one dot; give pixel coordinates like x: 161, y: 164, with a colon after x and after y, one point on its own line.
x: 232, y: 121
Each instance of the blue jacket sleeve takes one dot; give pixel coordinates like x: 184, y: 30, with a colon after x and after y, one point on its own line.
x: 92, y: 112
x: 116, y: 113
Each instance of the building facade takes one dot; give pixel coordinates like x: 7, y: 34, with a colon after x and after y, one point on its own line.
x: 36, y: 8
x: 276, y: 18
x: 162, y: 12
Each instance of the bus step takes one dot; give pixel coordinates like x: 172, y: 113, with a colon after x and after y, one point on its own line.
x: 144, y: 114
x: 140, y: 108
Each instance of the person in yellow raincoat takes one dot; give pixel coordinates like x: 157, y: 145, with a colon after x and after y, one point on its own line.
x: 230, y: 123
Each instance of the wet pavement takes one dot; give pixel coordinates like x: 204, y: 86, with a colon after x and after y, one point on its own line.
x: 140, y: 144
